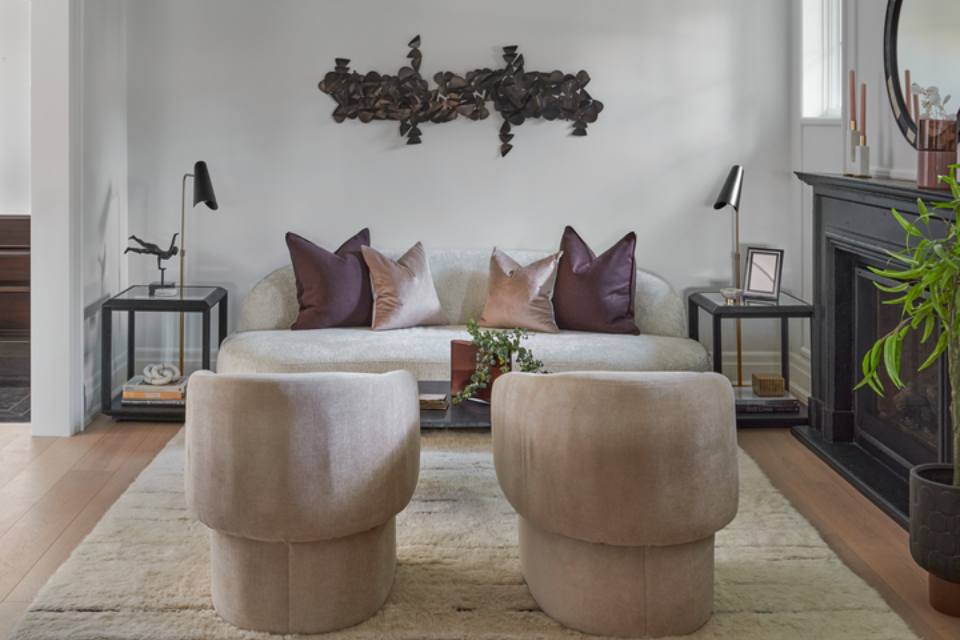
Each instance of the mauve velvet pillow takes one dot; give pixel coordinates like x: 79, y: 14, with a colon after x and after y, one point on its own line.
x: 333, y: 289
x: 405, y: 293
x: 518, y: 297
x: 596, y: 293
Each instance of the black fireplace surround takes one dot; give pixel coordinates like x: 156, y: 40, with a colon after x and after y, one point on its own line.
x: 873, y: 442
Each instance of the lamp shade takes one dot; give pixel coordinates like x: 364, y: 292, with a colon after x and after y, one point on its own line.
x: 202, y: 187
x: 730, y: 194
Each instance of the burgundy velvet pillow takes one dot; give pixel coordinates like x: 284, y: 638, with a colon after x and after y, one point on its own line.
x: 333, y: 289
x: 595, y: 293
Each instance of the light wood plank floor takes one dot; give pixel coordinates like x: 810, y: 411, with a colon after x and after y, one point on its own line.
x: 53, y: 491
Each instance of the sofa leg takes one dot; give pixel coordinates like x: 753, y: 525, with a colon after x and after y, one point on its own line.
x: 309, y: 587
x: 618, y: 591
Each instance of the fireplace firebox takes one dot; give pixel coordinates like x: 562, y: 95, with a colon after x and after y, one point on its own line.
x: 872, y: 441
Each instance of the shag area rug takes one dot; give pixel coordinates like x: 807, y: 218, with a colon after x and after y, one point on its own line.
x: 142, y: 572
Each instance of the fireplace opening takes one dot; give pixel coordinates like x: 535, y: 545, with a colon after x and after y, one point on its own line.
x: 902, y: 427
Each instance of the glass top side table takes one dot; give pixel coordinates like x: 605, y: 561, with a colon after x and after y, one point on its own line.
x: 784, y: 308
x: 136, y: 299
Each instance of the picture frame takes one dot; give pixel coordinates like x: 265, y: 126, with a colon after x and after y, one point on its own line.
x: 762, y: 273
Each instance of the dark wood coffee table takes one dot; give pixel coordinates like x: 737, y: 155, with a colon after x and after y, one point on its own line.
x: 468, y: 415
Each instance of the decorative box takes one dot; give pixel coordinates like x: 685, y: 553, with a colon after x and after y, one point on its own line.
x: 768, y: 385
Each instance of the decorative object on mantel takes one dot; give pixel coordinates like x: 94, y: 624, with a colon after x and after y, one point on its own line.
x: 936, y: 137
x: 924, y: 279
x: 862, y: 156
x: 856, y: 162
x: 162, y: 288
x: 202, y: 192
x: 730, y: 197
x: 517, y: 94
x: 850, y: 160
x: 762, y: 273
x: 475, y: 365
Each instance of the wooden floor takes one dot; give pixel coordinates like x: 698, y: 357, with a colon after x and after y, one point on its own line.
x: 869, y: 542
x: 54, y: 490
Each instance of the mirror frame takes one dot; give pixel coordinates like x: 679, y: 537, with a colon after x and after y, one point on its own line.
x: 891, y: 70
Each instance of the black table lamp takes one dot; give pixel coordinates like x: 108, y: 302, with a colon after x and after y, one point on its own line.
x: 202, y: 192
x: 730, y: 197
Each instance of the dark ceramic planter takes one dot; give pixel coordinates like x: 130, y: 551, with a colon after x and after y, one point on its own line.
x: 935, y: 532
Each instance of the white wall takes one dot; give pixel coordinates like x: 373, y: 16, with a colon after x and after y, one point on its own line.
x: 14, y: 106
x: 690, y: 87
x: 103, y: 181
x: 56, y: 309
x: 890, y: 153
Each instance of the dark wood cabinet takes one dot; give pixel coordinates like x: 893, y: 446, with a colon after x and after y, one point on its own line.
x: 14, y: 276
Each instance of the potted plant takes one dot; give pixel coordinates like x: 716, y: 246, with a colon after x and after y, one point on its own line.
x: 493, y: 353
x: 926, y: 280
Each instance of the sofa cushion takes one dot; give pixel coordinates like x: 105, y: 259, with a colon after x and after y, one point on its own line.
x: 520, y: 297
x: 405, y: 295
x: 595, y: 293
x: 460, y: 276
x: 425, y: 351
x: 333, y: 289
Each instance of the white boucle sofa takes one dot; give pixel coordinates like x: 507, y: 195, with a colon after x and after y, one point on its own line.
x: 264, y: 343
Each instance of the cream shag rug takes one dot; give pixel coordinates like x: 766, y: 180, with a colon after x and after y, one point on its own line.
x: 142, y: 572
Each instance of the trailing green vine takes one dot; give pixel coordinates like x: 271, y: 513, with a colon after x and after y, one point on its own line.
x: 497, y: 349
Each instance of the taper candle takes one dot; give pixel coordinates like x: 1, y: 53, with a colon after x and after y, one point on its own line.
x: 853, y: 99
x: 916, y: 109
x: 863, y: 113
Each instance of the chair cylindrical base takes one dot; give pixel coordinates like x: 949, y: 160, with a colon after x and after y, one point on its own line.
x: 618, y: 591
x: 306, y: 587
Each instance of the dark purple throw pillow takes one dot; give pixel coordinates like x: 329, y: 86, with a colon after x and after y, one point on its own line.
x: 333, y: 289
x: 595, y: 293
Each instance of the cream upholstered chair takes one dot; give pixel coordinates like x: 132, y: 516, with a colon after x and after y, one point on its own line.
x: 620, y: 481
x: 299, y: 477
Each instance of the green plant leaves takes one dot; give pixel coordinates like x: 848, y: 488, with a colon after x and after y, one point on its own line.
x: 498, y: 349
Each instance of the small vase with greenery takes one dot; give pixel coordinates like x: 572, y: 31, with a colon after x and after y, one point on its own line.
x: 500, y: 350
x: 924, y: 280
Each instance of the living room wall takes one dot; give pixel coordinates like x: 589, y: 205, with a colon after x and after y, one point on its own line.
x: 690, y: 87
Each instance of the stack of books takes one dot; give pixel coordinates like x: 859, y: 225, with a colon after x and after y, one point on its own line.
x: 750, y: 402
x: 138, y: 392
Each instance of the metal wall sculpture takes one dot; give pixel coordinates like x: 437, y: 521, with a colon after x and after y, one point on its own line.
x: 517, y: 94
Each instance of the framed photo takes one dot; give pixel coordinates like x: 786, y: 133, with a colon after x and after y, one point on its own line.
x: 763, y: 270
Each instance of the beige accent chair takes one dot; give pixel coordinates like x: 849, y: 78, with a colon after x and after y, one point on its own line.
x: 299, y: 477
x: 620, y: 481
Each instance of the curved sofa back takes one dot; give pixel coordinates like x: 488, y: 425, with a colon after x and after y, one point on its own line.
x: 461, y: 280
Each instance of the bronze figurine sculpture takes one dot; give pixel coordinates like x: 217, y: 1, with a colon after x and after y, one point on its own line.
x: 151, y: 249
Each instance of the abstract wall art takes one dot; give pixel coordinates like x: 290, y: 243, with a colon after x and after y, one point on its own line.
x: 515, y: 93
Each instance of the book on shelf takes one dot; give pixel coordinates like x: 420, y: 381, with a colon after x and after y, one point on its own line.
x: 434, y: 402
x: 137, y: 391
x: 750, y: 402
x: 153, y: 403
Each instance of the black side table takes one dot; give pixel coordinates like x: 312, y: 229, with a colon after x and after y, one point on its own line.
x: 783, y: 308
x: 193, y: 299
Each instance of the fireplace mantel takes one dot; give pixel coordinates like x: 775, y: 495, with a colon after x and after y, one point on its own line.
x: 852, y: 230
